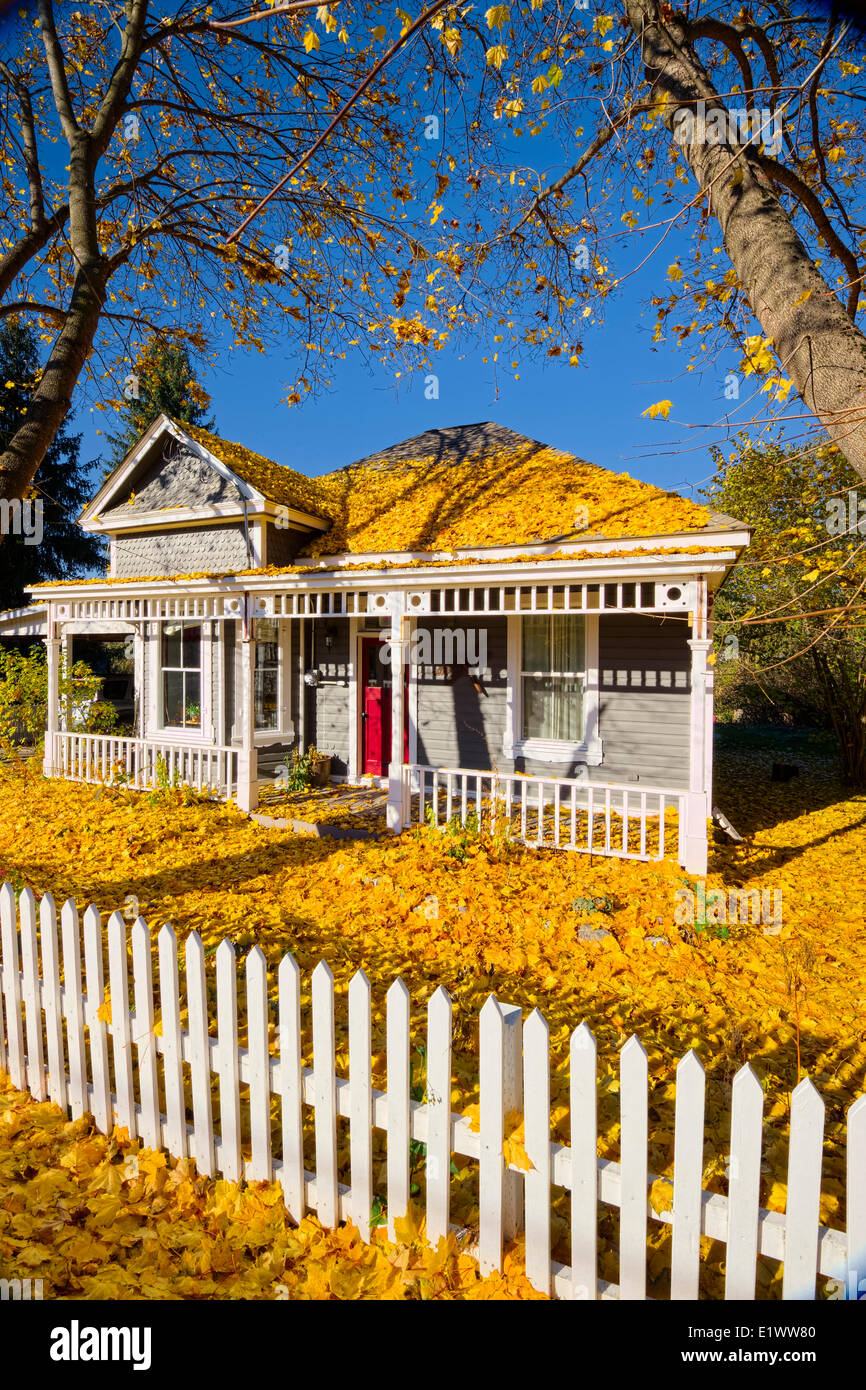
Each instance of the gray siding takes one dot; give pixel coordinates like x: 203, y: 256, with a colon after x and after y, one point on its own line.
x: 328, y: 703
x: 644, y: 693
x: 283, y: 544
x: 196, y: 549
x: 458, y: 726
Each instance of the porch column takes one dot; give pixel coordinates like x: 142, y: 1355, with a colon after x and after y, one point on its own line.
x: 399, y: 647
x: 693, y: 833
x: 52, y: 718
x: 248, y: 758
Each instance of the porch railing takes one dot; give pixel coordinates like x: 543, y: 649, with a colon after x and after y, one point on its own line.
x: 608, y: 818
x: 145, y: 763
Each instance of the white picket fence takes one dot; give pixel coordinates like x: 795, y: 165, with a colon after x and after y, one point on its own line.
x: 608, y: 818
x: 142, y: 763
x: 54, y: 1043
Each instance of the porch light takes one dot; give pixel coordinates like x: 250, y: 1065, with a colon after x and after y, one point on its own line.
x: 311, y: 677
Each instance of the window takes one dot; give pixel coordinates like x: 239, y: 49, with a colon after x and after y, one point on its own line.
x: 553, y: 675
x: 181, y: 676
x: 267, y: 674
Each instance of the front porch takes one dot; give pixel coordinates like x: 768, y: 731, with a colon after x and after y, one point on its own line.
x: 604, y: 818
x: 581, y: 722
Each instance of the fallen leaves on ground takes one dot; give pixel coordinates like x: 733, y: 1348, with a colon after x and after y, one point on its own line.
x: 480, y: 917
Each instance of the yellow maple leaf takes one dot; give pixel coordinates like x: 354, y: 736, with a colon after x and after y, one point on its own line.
x: 662, y: 408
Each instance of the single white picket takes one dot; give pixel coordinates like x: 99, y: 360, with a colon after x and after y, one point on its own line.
x: 150, y: 1125
x: 94, y: 972
x: 804, y: 1193
x: 199, y: 1055
x: 52, y: 1002
x: 688, y: 1173
x: 291, y: 1095
x: 584, y: 1164
x: 855, y: 1219
x: 360, y: 1102
x: 744, y: 1185
x: 437, y: 1168
x: 259, y: 1065
x: 536, y: 1089
x: 633, y: 1170
x: 74, y: 1009
x: 121, y: 1033
x: 12, y: 988
x: 172, y: 1046
x: 397, y: 1061
x: 30, y: 991
x: 230, y: 1162
x: 325, y: 1092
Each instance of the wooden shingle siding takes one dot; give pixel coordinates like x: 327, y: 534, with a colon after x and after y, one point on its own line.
x: 282, y: 544
x: 194, y: 550
x: 183, y: 480
x: 644, y: 693
x: 458, y: 726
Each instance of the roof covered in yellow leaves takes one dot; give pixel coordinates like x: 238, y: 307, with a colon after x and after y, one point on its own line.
x: 463, y: 487
x: 485, y: 485
x: 273, y: 480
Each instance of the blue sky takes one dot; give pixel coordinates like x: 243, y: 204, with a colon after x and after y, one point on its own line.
x: 593, y: 410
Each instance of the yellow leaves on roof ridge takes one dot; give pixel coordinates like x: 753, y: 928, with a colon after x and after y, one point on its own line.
x: 525, y: 494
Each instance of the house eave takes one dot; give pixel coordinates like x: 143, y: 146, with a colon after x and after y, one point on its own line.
x: 714, y: 564
x: 180, y: 518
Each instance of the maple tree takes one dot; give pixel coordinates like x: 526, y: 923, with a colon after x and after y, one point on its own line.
x: 133, y: 151
x: 731, y: 132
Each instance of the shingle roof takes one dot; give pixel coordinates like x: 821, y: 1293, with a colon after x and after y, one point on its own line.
x: 482, y: 485
x: 461, y: 487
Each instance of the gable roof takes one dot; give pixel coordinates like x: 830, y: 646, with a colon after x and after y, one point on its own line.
x: 456, y: 488
x: 273, y: 480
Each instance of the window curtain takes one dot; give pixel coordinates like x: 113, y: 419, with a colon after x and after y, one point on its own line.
x: 553, y: 700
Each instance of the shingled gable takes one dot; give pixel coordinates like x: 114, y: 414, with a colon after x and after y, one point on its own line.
x: 176, y: 468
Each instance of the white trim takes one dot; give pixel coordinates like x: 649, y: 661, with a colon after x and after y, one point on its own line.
x: 661, y: 568
x: 155, y: 728
x: 590, y: 750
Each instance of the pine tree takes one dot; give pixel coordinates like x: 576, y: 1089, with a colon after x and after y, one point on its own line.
x: 162, y: 382
x: 63, y: 485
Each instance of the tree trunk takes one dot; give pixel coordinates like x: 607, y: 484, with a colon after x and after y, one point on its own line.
x: 818, y: 346
x: 52, y: 399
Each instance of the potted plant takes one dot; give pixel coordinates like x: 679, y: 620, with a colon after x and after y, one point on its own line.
x: 320, y: 767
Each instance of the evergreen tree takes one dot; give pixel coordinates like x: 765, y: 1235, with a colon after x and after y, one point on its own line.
x: 56, y: 547
x: 162, y: 382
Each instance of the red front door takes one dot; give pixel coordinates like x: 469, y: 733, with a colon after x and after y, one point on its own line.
x: 376, y: 709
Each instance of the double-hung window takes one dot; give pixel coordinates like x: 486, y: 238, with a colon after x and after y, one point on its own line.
x: 267, y: 674
x: 553, y: 677
x: 180, y: 662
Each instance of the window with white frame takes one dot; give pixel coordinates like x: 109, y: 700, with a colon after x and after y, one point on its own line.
x: 180, y: 672
x: 553, y: 677
x: 267, y: 674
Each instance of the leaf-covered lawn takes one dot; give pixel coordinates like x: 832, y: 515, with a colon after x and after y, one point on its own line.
x: 478, y: 918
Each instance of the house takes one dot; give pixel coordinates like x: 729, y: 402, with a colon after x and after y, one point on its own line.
x: 550, y: 620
